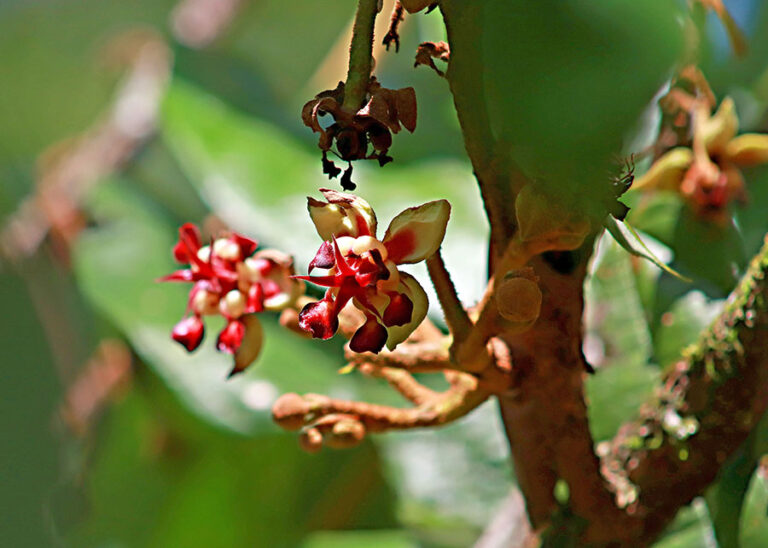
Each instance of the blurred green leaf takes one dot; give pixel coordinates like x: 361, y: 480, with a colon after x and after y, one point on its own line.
x: 156, y: 482
x: 690, y: 529
x: 697, y: 241
x: 29, y: 396
x: 566, y: 79
x: 754, y: 520
x: 725, y: 499
x: 682, y: 325
x: 620, y: 354
x: 356, y: 539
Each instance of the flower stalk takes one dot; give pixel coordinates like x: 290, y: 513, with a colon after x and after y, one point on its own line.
x: 360, y: 55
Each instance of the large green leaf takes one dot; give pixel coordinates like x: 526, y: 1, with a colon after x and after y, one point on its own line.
x: 754, y: 523
x: 566, y: 79
x: 159, y: 479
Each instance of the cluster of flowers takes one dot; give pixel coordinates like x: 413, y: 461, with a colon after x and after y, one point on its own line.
x: 363, y: 269
x: 707, y: 173
x: 230, y: 278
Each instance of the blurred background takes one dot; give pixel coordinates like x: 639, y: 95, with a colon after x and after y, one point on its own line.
x: 123, y: 119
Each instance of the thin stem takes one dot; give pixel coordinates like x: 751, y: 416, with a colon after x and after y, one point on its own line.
x: 445, y: 407
x: 422, y: 357
x: 402, y: 381
x: 360, y: 55
x: 455, y: 316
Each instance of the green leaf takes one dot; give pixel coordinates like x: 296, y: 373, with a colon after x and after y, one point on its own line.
x: 682, y: 324
x: 619, y: 229
x: 159, y: 479
x: 690, y: 529
x: 565, y: 79
x: 355, y: 539
x: 617, y: 341
x: 754, y: 521
x: 725, y: 499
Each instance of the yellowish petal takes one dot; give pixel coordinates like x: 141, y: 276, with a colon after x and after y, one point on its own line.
x: 341, y: 215
x: 717, y: 130
x: 667, y: 172
x: 251, y: 346
x: 748, y: 150
x: 417, y: 232
x: 415, y: 292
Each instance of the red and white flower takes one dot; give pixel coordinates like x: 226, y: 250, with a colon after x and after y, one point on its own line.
x: 231, y: 279
x: 363, y: 269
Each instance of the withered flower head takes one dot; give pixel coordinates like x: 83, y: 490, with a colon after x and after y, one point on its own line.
x: 384, y: 112
x: 427, y: 51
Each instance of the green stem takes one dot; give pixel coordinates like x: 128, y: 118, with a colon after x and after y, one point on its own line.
x: 455, y: 315
x: 360, y: 55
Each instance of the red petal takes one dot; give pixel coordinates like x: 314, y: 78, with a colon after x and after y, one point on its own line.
x: 324, y: 258
x: 320, y: 319
x: 341, y: 263
x: 255, y: 302
x: 189, y: 332
x: 399, y: 311
x: 230, y: 337
x: 189, y: 243
x: 247, y: 245
x: 369, y: 338
x: 322, y: 281
x: 185, y: 275
x: 270, y: 288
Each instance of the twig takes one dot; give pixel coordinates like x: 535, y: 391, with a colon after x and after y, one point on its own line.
x: 455, y: 316
x: 293, y: 412
x: 400, y: 380
x: 360, y: 56
x: 393, y: 35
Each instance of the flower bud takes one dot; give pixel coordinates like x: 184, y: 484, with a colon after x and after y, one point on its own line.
x: 230, y: 337
x: 311, y: 440
x: 227, y: 249
x: 233, y: 304
x: 205, y: 302
x: 189, y: 332
x: 204, y: 253
x: 345, y: 434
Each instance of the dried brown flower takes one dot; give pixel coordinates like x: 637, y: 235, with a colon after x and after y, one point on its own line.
x: 427, y: 51
x: 384, y: 112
